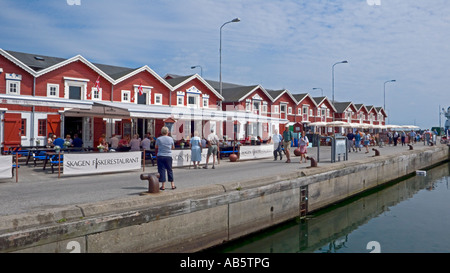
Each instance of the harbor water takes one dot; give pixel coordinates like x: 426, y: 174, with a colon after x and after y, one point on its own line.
x: 407, y: 216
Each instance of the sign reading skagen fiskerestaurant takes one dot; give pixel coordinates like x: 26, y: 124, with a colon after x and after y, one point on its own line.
x: 254, y: 152
x: 101, y: 162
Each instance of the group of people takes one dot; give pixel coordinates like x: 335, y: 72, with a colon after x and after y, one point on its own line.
x: 164, y: 146
x: 53, y: 140
x: 126, y: 143
x: 282, y: 143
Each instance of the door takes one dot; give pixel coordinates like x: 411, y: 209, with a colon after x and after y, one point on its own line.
x: 13, y: 126
x: 54, y: 125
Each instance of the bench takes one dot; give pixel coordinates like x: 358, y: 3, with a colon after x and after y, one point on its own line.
x: 55, y: 162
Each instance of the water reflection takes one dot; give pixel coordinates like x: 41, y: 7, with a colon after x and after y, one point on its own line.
x: 408, y: 216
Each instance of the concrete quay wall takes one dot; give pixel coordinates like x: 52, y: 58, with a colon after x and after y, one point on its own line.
x: 194, y: 219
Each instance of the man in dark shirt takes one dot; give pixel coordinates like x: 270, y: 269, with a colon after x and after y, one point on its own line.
x: 77, y: 142
x: 350, y: 143
x: 287, y: 138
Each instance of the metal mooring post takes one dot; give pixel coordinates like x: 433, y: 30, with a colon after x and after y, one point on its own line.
x: 153, y: 181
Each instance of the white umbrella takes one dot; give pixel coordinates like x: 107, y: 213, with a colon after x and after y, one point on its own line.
x: 318, y: 124
x: 338, y: 124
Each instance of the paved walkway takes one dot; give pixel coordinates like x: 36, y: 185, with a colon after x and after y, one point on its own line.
x: 38, y: 189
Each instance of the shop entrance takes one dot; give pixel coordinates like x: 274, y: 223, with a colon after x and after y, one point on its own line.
x: 73, y: 125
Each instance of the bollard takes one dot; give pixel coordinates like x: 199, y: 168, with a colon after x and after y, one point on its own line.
x: 377, y: 153
x: 153, y: 182
x: 410, y: 147
x: 313, y: 161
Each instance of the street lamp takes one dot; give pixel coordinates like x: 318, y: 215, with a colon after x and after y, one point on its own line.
x: 235, y: 20
x: 332, y: 76
x: 384, y: 93
x: 316, y: 88
x: 201, y: 69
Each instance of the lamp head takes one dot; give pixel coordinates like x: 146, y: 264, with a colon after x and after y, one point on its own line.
x: 235, y: 20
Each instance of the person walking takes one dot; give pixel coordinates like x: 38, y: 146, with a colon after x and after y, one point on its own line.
x: 403, y: 138
x: 213, y: 141
x: 395, y: 136
x: 357, y: 141
x: 277, y: 145
x: 303, y: 145
x: 350, y: 143
x: 164, y: 145
x: 367, y: 141
x: 287, y: 139
x: 196, y: 150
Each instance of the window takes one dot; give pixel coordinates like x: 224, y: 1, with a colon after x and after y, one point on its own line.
x: 275, y: 109
x: 289, y: 110
x: 53, y: 90
x: 248, y: 106
x: 193, y: 100
x: 205, y: 102
x: 13, y: 87
x: 96, y: 94
x: 158, y: 99
x: 13, y: 83
x: 282, y: 108
x: 180, y: 101
x: 126, y: 96
x: 75, y: 88
x: 23, y: 129
x: 264, y: 108
x: 42, y: 127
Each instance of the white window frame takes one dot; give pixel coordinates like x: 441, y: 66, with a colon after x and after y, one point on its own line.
x: 248, y: 106
x: 276, y: 109
x: 197, y: 100
x: 155, y: 99
x: 290, y: 110
x: 76, y: 82
x: 264, y: 108
x: 96, y: 94
x: 17, y: 87
x: 205, y: 102
x: 49, y: 90
x: 125, y: 96
x: 180, y: 100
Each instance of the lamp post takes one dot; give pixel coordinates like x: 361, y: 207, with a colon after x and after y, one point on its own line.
x: 316, y: 88
x: 201, y: 69
x: 332, y: 77
x: 235, y: 20
x: 384, y: 94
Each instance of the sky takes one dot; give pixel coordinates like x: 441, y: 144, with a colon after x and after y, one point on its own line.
x: 279, y: 44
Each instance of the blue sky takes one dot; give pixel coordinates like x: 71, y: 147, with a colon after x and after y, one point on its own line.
x: 279, y: 44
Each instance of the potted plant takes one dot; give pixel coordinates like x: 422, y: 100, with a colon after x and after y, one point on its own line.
x: 57, y: 149
x: 100, y: 148
x: 66, y: 144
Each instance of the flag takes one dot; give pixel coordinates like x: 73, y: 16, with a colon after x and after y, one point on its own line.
x: 96, y: 85
x: 141, y: 91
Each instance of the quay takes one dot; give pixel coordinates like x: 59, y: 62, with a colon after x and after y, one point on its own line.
x: 108, y: 213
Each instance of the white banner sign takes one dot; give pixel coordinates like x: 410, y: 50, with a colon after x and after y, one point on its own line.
x: 6, y: 166
x: 254, y: 152
x: 84, y: 163
x: 183, y: 157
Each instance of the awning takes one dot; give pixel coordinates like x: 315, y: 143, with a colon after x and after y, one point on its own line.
x: 45, y: 102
